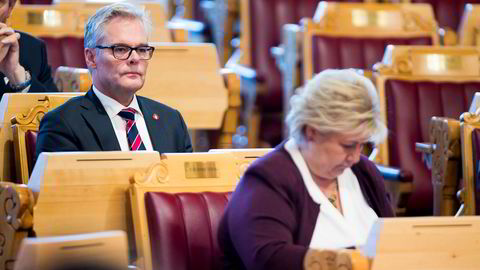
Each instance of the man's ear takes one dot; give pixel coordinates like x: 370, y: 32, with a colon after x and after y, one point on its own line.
x: 90, y: 58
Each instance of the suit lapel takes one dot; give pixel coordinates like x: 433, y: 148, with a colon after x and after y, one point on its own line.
x: 154, y: 126
x: 97, y: 118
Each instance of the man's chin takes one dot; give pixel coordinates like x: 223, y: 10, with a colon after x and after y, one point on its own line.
x: 134, y: 86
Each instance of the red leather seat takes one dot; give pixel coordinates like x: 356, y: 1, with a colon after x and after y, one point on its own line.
x: 410, y: 106
x: 183, y: 229
x: 30, y: 145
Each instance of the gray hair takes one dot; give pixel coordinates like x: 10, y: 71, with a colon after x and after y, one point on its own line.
x: 94, y: 28
x: 337, y: 102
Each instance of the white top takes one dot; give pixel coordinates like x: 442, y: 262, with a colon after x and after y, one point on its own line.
x: 112, y: 107
x: 334, y: 230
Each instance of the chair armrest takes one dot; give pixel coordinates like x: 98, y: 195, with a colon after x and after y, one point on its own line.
x: 16, y: 220
x: 394, y: 174
x: 398, y: 185
x: 278, y: 53
x: 184, y: 30
x: 427, y: 150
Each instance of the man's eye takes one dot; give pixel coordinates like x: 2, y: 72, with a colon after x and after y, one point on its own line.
x: 121, y: 49
x: 142, y: 50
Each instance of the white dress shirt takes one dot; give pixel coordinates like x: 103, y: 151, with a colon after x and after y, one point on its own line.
x: 112, y: 107
x: 334, y: 230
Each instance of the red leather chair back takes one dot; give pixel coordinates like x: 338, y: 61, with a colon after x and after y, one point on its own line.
x: 476, y: 167
x: 30, y: 145
x: 183, y: 229
x: 363, y: 53
x: 65, y: 51
x: 447, y: 12
x: 410, y: 106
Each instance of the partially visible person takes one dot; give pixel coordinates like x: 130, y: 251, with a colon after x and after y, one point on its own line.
x: 110, y: 116
x: 315, y: 190
x: 23, y: 59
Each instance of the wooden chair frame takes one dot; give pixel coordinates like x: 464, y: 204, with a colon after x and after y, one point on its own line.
x: 21, y: 124
x: 470, y: 122
x: 17, y: 208
x: 469, y: 29
x: 444, y: 157
x: 19, y: 105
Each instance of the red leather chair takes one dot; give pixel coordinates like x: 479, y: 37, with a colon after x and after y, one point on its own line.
x: 414, y: 84
x: 30, y: 145
x: 183, y: 229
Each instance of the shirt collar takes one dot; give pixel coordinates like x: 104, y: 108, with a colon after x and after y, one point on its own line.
x: 113, y: 107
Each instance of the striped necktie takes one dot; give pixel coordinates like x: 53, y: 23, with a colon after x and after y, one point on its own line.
x: 134, y: 141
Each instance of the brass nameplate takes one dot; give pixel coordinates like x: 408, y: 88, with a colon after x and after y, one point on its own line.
x: 444, y: 62
x: 448, y: 63
x: 51, y: 18
x: 201, y: 169
x: 367, y: 18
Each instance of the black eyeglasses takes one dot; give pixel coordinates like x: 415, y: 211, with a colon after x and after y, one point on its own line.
x: 122, y: 52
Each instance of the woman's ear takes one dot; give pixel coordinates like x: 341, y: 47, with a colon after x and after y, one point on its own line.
x: 310, y: 133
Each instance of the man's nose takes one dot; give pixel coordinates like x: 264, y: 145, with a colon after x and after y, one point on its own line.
x: 134, y: 57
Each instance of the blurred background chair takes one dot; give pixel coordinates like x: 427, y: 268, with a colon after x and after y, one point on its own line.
x: 448, y: 14
x: 414, y: 84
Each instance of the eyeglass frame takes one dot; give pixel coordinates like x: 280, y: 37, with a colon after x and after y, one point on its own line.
x: 131, y: 49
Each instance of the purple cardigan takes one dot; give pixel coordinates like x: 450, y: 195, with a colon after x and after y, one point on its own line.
x: 269, y: 221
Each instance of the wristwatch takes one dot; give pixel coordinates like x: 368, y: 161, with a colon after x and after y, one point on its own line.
x: 25, y: 84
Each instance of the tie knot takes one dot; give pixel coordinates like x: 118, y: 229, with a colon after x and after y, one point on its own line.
x: 127, y: 113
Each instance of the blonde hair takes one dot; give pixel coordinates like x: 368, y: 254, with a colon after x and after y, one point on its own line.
x: 337, y: 102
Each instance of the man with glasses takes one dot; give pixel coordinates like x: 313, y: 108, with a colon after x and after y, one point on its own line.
x: 110, y: 116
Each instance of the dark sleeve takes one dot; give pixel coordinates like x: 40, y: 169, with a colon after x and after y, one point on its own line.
x: 187, y: 144
x: 55, y: 135
x: 42, y: 81
x: 373, y: 188
x: 261, y: 224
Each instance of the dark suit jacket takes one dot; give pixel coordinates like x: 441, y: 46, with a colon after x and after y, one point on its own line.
x: 82, y: 124
x: 33, y: 57
x: 270, y: 219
